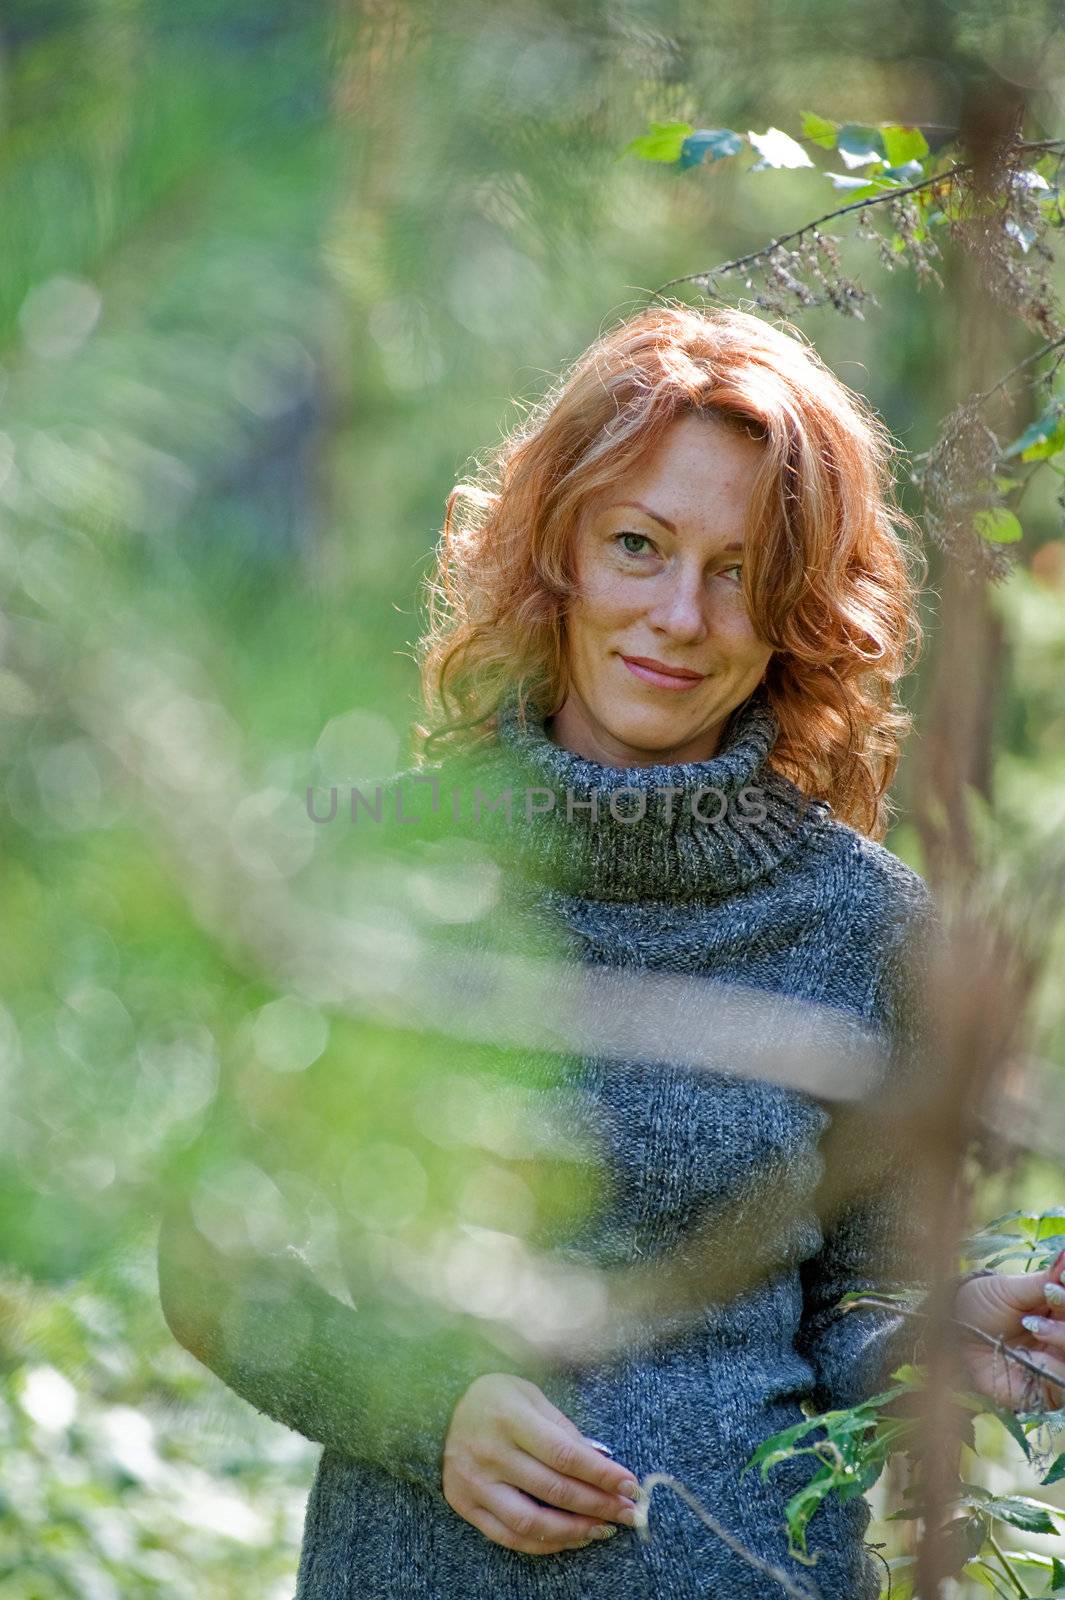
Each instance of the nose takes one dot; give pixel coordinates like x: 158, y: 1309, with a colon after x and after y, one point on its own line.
x: 680, y: 607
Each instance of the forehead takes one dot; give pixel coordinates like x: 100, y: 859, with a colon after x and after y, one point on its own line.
x: 700, y: 474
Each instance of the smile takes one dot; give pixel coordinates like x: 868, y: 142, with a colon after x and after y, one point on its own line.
x: 659, y: 677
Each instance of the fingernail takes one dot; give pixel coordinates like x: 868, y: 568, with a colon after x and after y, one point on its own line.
x: 607, y: 1531
x: 1036, y: 1324
x: 630, y: 1490
x: 1055, y: 1294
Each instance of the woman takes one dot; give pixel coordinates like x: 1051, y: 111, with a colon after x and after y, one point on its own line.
x: 674, y: 614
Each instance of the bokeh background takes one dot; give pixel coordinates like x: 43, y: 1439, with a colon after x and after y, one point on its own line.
x: 270, y: 275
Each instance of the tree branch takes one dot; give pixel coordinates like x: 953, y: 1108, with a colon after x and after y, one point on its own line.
x: 842, y: 211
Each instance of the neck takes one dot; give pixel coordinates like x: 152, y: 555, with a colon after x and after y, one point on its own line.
x: 664, y: 831
x: 574, y: 728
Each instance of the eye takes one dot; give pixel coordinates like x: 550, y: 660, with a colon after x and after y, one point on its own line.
x: 736, y: 567
x: 628, y: 535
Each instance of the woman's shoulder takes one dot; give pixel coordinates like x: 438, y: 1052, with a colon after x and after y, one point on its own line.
x: 885, y: 891
x: 894, y: 934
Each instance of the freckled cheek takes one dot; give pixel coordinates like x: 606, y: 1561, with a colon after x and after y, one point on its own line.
x: 735, y: 624
x: 607, y: 602
x: 733, y: 629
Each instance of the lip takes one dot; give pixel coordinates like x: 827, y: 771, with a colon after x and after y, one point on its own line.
x: 660, y: 677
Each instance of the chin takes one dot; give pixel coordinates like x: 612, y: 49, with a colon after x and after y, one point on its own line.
x: 646, y: 729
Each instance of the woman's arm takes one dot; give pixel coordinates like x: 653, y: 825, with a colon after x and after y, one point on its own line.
x: 876, y: 1242
x: 853, y: 1353
x: 515, y: 1467
x: 342, y: 1377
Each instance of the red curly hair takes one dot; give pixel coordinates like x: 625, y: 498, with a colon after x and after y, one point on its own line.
x: 829, y: 578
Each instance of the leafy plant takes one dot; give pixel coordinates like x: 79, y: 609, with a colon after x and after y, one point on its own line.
x: 852, y: 1446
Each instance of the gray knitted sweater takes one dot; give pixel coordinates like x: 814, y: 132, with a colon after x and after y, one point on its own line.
x: 773, y: 892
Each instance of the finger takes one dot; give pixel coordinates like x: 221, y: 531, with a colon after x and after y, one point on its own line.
x: 568, y: 1494
x: 537, y: 1525
x: 1048, y: 1330
x: 553, y: 1414
x: 628, y: 1479
x: 570, y: 1454
x: 489, y: 1524
x: 1023, y: 1291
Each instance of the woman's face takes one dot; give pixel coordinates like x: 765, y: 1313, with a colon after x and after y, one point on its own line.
x: 660, y: 584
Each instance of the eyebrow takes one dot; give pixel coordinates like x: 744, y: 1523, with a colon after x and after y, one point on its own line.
x: 638, y: 505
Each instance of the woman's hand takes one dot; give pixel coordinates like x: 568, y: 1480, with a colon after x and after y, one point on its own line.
x: 1017, y: 1308
x: 507, y: 1449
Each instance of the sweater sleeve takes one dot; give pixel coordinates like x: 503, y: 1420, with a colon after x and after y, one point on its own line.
x: 875, y: 1241
x: 351, y: 1379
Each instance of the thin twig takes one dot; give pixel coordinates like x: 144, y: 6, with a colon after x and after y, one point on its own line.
x: 1037, y: 355
x: 842, y: 211
x: 789, y: 1585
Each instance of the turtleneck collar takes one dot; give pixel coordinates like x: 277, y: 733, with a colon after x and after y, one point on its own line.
x: 682, y: 830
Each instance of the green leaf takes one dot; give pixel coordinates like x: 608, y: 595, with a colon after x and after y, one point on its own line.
x: 909, y: 1373
x: 860, y: 188
x: 879, y: 1401
x: 999, y: 525
x: 903, y: 143
x: 709, y: 144
x: 664, y: 142
x: 1051, y: 1243
x: 962, y: 1540
x: 779, y: 1444
x: 777, y: 149
x: 819, y: 129
x: 1057, y: 1575
x: 1040, y: 439
x: 801, y: 1507
x: 905, y: 172
x: 985, y: 1244
x: 859, y: 145
x: 988, y: 1575
x: 968, y: 1400
x: 1010, y: 1422
x: 902, y: 1297
x: 1020, y: 1511
x: 1057, y: 1470
x: 901, y: 1587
